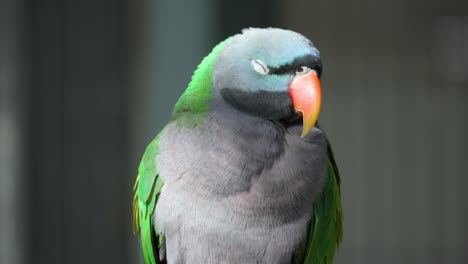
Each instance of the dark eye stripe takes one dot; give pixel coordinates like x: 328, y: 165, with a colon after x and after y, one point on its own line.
x: 310, y: 61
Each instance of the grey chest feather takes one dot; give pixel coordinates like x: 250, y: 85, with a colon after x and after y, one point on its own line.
x: 237, y: 191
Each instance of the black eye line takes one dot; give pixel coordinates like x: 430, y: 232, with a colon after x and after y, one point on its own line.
x: 308, y: 60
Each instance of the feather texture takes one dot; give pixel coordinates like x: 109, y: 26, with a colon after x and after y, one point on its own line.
x: 199, y: 91
x: 147, y: 189
x: 326, y: 227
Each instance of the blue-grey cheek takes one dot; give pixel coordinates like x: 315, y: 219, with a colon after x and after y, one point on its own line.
x: 277, y: 83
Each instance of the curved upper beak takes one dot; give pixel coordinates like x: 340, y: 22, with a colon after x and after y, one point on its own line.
x: 306, y: 96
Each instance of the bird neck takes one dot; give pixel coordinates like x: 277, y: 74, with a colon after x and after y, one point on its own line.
x: 200, y: 90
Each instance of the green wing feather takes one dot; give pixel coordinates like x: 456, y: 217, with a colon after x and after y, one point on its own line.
x: 147, y: 189
x: 148, y: 184
x: 325, y: 231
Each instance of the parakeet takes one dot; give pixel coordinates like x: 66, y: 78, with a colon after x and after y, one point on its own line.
x: 243, y: 173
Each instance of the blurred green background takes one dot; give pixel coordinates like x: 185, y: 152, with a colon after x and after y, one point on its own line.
x: 85, y: 85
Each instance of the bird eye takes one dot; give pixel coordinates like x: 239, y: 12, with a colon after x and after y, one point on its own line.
x: 260, y: 67
x: 303, y: 70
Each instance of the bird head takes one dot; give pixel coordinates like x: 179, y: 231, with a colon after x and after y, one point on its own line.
x: 271, y: 73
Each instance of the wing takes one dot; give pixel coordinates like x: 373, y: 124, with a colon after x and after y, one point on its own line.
x: 147, y: 189
x: 326, y: 227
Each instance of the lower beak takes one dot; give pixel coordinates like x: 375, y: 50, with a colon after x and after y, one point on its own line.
x: 306, y: 96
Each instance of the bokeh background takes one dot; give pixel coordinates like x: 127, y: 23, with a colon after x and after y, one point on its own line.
x: 85, y: 85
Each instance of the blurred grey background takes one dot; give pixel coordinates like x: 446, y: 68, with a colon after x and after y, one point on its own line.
x: 85, y: 85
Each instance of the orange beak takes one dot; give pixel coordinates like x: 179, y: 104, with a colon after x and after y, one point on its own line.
x: 306, y: 96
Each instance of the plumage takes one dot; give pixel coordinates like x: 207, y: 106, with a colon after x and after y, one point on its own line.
x: 224, y: 181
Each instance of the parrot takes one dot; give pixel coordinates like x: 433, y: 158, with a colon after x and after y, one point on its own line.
x: 242, y: 172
